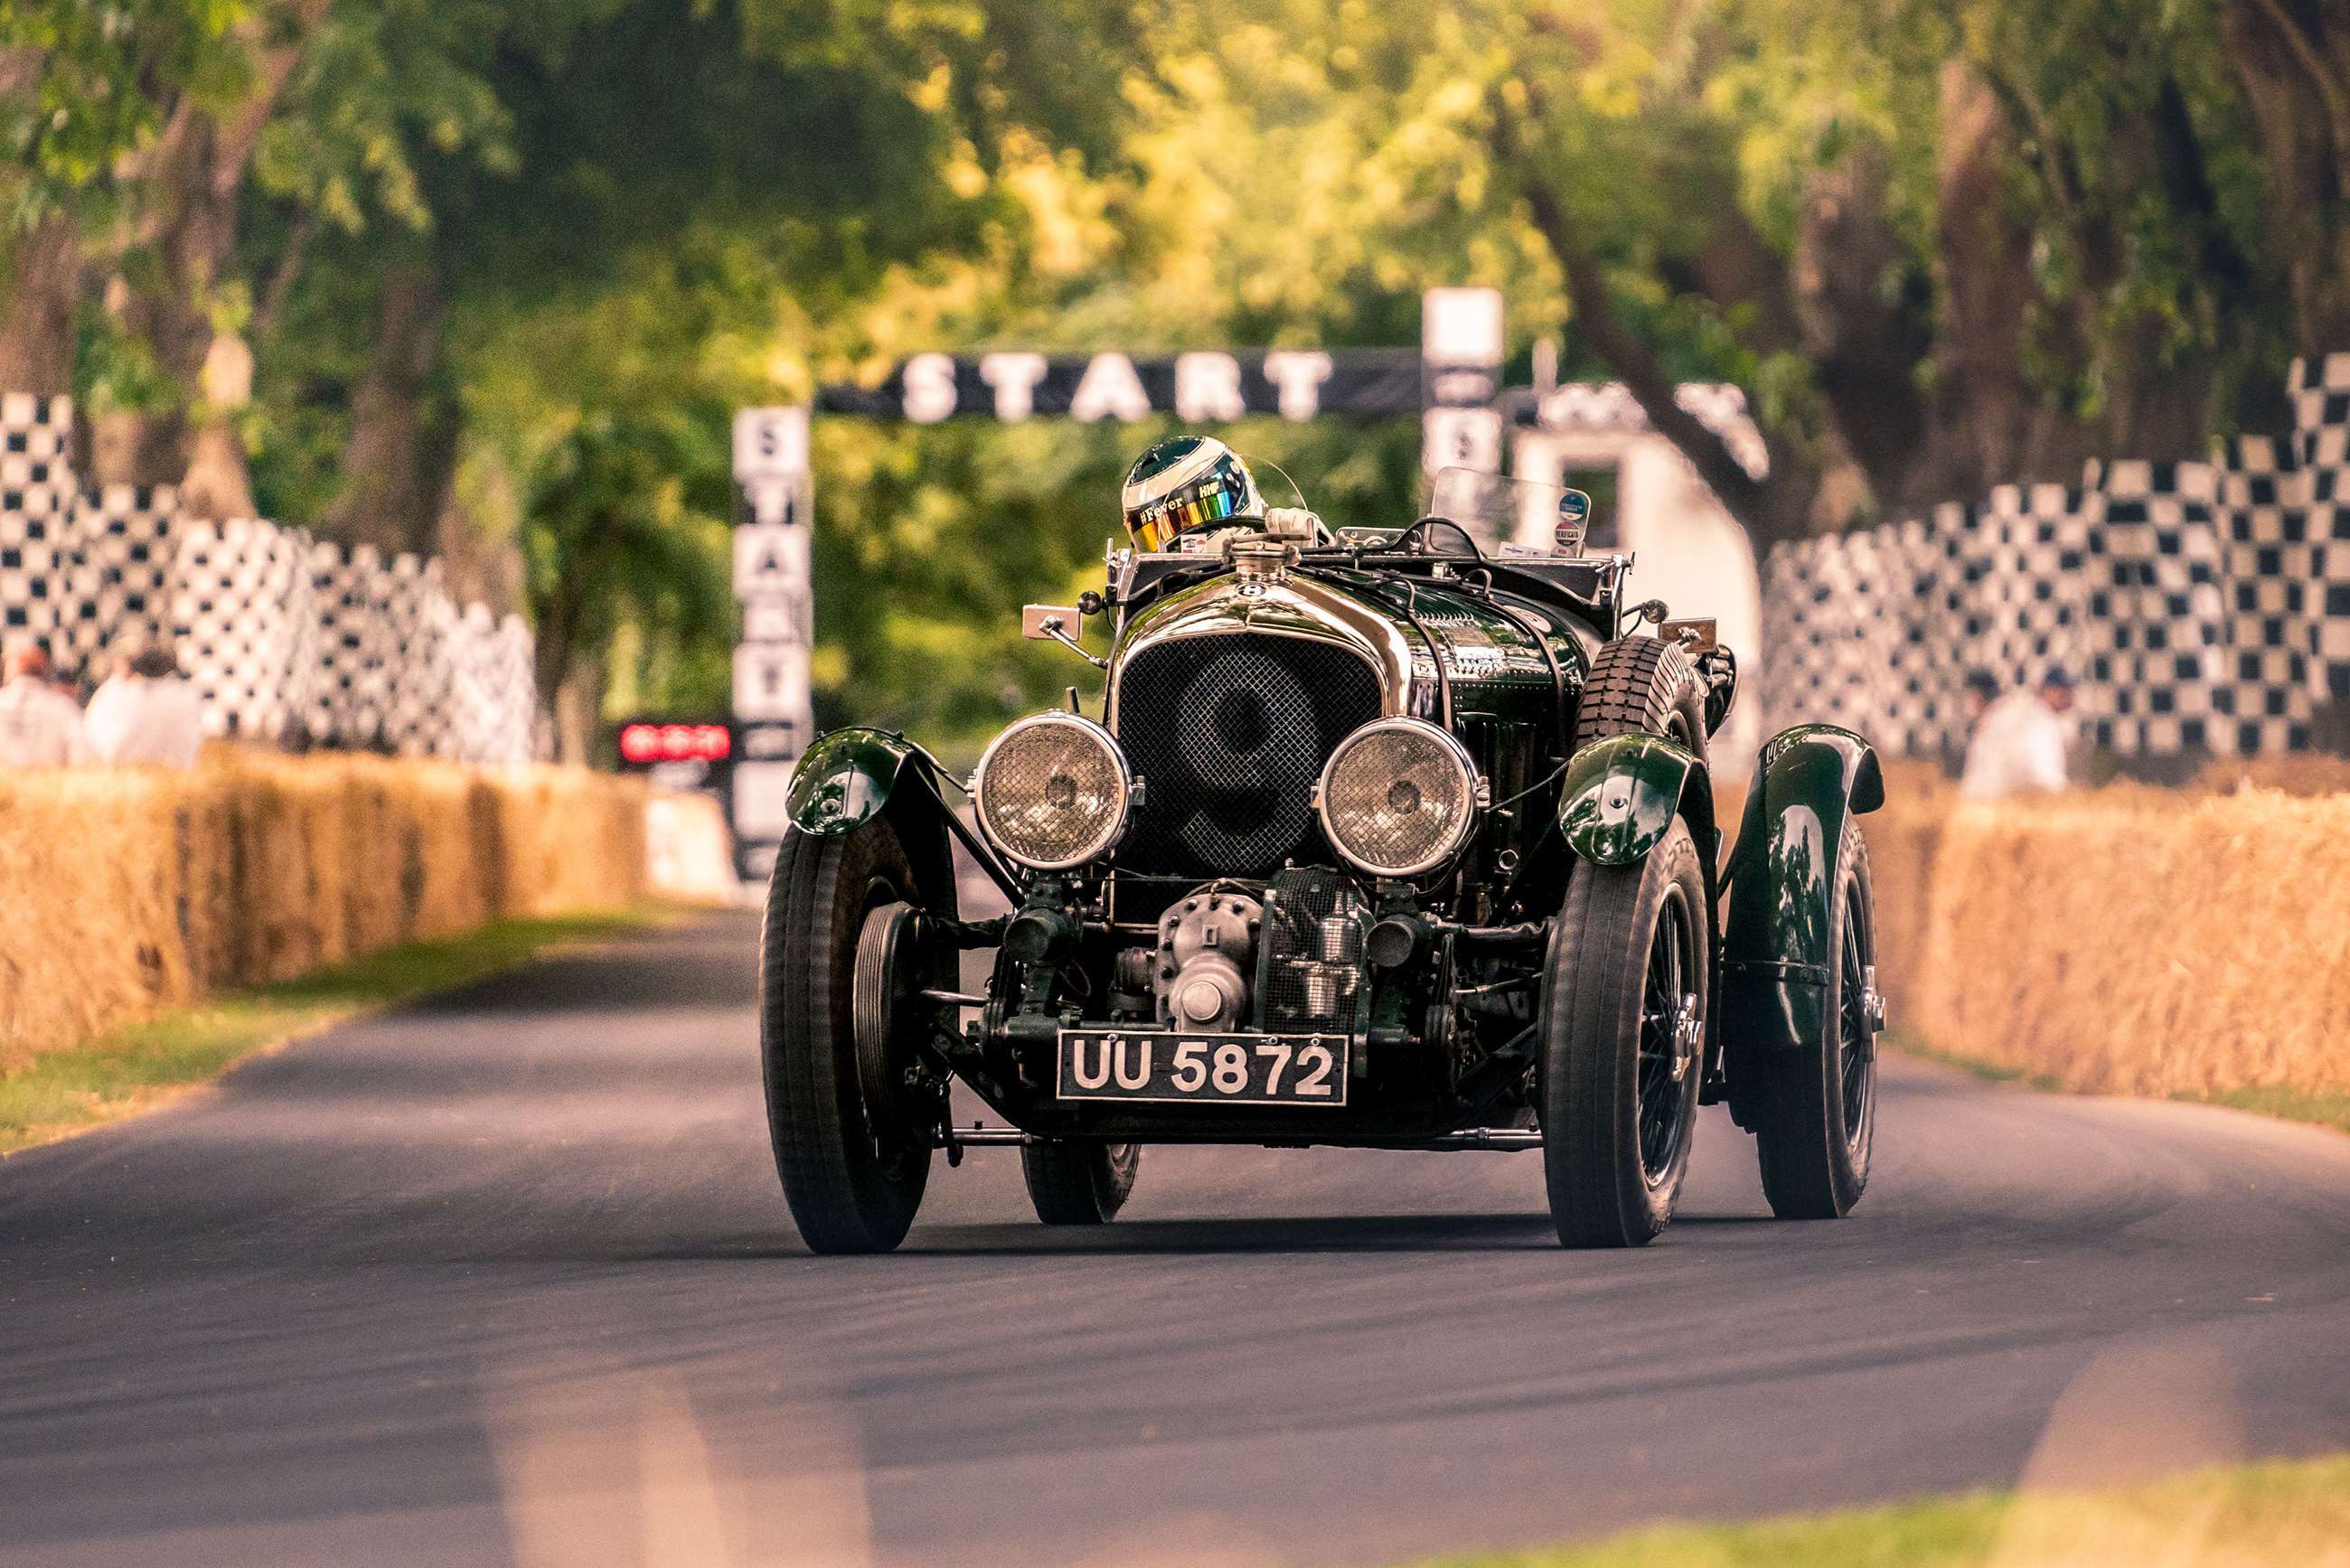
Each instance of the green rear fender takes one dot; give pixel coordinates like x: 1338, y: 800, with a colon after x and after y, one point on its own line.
x: 1621, y: 795
x: 1809, y: 783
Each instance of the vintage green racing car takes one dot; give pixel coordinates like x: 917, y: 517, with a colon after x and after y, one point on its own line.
x: 1390, y: 838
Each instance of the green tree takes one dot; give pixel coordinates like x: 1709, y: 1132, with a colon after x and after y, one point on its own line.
x: 620, y: 531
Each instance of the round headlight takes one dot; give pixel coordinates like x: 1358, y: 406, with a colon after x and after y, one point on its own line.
x: 1398, y: 797
x: 1053, y: 792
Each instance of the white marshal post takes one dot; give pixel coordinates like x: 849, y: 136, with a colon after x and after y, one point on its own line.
x: 774, y: 718
x: 1460, y: 378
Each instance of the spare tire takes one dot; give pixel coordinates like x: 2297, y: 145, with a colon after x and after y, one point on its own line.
x: 1643, y: 686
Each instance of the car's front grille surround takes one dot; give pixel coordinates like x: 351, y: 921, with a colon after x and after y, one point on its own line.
x: 1229, y: 731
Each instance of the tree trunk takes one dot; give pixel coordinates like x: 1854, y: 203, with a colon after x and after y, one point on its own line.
x: 190, y: 181
x: 1772, y: 509
x: 1987, y: 414
x: 2293, y: 60
x: 402, y: 450
x: 40, y: 283
x: 1863, y: 317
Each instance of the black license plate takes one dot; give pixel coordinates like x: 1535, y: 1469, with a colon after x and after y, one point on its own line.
x: 1160, y: 1067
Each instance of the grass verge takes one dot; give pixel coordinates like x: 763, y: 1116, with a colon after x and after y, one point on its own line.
x: 2268, y: 1513
x: 142, y: 1064
x: 2322, y: 1110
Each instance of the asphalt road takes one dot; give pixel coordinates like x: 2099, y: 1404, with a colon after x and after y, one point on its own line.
x: 507, y: 1277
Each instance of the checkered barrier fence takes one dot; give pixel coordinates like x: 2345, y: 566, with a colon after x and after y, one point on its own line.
x: 286, y: 637
x: 2202, y: 607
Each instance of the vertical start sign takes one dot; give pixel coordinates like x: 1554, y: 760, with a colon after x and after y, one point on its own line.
x: 774, y: 587
x: 1460, y: 379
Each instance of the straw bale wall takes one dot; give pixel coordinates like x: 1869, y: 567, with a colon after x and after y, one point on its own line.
x: 131, y: 888
x: 2126, y: 939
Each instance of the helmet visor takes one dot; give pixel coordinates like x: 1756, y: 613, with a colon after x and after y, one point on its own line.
x: 1215, y: 497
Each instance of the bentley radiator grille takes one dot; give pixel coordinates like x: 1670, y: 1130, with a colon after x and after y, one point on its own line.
x: 1228, y: 732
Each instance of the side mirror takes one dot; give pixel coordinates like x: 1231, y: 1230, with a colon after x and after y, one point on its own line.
x: 1057, y: 623
x: 1574, y: 523
x: 1041, y: 623
x: 1696, y: 635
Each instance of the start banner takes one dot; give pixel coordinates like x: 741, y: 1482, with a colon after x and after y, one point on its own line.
x: 1202, y: 388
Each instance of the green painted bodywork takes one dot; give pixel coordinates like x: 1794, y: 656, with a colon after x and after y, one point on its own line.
x: 845, y: 780
x: 1494, y: 663
x: 1809, y: 783
x: 1621, y: 795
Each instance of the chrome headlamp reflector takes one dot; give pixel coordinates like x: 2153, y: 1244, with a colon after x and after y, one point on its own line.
x: 1054, y: 792
x: 1398, y: 797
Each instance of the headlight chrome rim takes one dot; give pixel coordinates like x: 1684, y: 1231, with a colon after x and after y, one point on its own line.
x: 1454, y: 842
x: 1095, y: 848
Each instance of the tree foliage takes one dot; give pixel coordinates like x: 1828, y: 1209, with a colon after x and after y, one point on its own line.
x: 504, y: 268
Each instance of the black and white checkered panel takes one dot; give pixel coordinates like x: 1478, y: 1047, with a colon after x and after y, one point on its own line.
x: 2272, y: 593
x: 38, y: 495
x: 472, y: 700
x: 348, y: 696
x: 512, y: 730
x: 421, y: 622
x: 2027, y: 560
x: 2320, y: 392
x: 241, y: 600
x: 1798, y: 632
x: 493, y: 695
x: 36, y: 430
x: 2158, y: 620
x: 280, y: 633
x: 1928, y: 668
x: 1878, y: 584
x: 2321, y: 445
x: 123, y: 533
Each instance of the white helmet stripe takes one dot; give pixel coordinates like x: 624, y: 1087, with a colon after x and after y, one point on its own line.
x: 1189, y: 467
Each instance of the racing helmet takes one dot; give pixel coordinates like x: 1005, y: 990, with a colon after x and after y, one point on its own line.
x: 1184, y: 483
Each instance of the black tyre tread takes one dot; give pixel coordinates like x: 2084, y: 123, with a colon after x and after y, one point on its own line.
x: 1598, y: 962
x: 1797, y: 1136
x: 1077, y: 1183
x: 1638, y: 685
x: 840, y: 1198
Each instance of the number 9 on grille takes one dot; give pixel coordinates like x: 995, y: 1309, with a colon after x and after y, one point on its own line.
x: 1398, y: 797
x: 1054, y: 792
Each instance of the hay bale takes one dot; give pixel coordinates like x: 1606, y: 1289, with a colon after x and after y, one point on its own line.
x: 134, y: 889
x: 2145, y: 942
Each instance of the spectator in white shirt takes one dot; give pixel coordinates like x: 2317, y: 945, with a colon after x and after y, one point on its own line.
x: 40, y: 726
x: 2024, y: 743
x: 146, y: 715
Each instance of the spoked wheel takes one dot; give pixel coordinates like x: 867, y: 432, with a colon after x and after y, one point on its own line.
x: 849, y: 1116
x: 1623, y: 1017
x: 1667, y: 1015
x: 1079, y: 1183
x: 1816, y: 1122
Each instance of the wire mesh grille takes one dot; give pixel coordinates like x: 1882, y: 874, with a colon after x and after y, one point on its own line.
x: 1228, y: 732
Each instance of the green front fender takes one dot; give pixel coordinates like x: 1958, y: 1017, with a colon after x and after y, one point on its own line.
x: 1621, y: 795
x: 846, y: 779
x: 1809, y: 783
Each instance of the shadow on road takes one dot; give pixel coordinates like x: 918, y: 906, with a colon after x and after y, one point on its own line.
x: 1352, y: 1234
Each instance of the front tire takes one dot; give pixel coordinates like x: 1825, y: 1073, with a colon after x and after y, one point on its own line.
x: 851, y: 1141
x: 1079, y: 1183
x: 1816, y: 1125
x: 1624, y: 1008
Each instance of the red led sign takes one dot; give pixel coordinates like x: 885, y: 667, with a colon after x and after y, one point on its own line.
x: 646, y: 744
